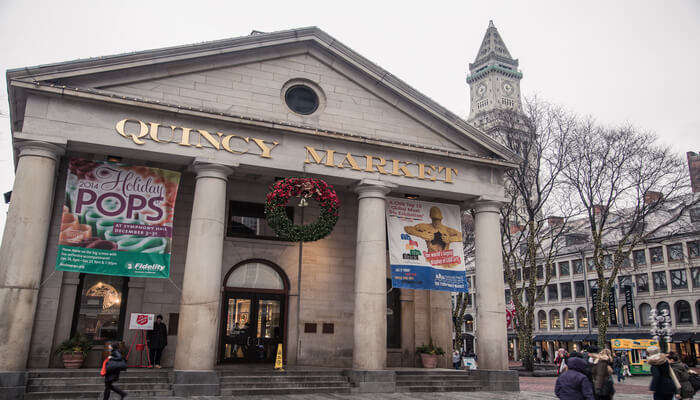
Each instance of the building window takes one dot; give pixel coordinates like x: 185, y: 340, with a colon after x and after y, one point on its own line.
x: 697, y: 310
x: 482, y: 104
x: 663, y: 306
x: 642, y: 283
x: 468, y: 323
x: 578, y: 266
x: 564, y: 268
x: 659, y: 280
x: 683, y: 313
x: 507, y: 102
x: 640, y: 257
x: 301, y: 99
x: 693, y: 249
x: 526, y: 273
x: 582, y: 317
x: 675, y: 252
x: 590, y: 265
x: 542, y: 318
x: 568, y: 319
x: 469, y: 300
x: 679, y: 280
x: 656, y: 254
x: 508, y: 296
x: 624, y: 281
x: 552, y: 269
x: 565, y: 288
x: 579, y: 289
x: 100, y: 309
x: 554, y: 321
x: 552, y: 292
x: 592, y: 284
x: 695, y: 274
x: 248, y: 220
x: 644, y: 311
x: 607, y: 261
x: 519, y: 275
x: 540, y: 272
x: 541, y: 289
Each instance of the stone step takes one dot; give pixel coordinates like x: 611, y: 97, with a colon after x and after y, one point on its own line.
x: 97, y: 387
x: 75, y: 373
x: 224, y: 372
x: 411, y: 378
x: 150, y: 394
x: 284, y: 391
x: 439, y: 383
x: 426, y: 388
x: 252, y: 380
x: 92, y: 380
x: 274, y: 385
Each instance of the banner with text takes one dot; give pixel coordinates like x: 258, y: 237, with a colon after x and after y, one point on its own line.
x: 425, y: 245
x: 117, y: 219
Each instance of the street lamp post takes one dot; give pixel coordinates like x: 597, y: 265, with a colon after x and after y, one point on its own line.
x: 661, y: 328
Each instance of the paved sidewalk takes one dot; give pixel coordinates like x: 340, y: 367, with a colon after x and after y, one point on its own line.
x: 420, y: 396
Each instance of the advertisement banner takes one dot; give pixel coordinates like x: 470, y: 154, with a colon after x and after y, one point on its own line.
x: 117, y: 220
x: 629, y: 303
x: 425, y: 245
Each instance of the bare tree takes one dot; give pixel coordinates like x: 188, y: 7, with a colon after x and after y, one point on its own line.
x: 534, y: 219
x: 631, y: 189
x: 461, y: 302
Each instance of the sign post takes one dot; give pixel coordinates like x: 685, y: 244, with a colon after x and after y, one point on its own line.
x: 140, y: 323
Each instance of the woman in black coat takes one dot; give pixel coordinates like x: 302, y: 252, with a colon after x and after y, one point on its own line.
x: 157, y: 340
x: 661, y: 382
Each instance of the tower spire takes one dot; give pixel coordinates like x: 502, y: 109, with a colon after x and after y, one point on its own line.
x: 493, y: 48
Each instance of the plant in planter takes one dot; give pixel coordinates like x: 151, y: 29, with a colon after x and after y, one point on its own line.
x: 429, y: 354
x: 74, y: 351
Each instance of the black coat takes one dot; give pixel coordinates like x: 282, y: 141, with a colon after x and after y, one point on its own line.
x: 158, y: 336
x: 115, y: 365
x: 661, y: 381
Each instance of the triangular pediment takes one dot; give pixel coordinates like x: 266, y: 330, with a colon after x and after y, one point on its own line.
x: 246, y: 78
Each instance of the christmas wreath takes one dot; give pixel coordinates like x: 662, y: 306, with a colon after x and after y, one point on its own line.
x: 304, y: 188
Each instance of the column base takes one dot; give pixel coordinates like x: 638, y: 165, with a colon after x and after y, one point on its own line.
x: 13, y: 385
x: 497, y: 380
x: 372, y: 381
x: 196, y: 383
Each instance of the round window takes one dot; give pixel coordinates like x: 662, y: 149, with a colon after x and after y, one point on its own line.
x: 301, y: 99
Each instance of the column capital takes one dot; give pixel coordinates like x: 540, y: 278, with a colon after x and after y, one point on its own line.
x: 204, y: 169
x: 481, y: 205
x: 373, y: 188
x: 40, y: 149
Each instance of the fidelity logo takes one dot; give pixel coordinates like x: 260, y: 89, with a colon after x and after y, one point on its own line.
x: 145, y: 267
x: 411, y: 247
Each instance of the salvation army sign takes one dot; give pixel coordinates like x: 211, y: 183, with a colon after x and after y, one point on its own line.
x: 425, y: 245
x: 141, y: 321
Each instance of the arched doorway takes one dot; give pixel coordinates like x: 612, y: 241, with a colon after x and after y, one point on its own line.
x: 253, y: 312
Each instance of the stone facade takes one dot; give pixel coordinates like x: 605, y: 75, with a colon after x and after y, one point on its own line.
x: 225, y: 102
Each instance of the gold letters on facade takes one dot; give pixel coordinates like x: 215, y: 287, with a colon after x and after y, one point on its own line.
x: 139, y: 131
x: 406, y: 169
x: 189, y: 137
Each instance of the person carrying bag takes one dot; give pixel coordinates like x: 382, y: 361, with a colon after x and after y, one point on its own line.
x: 111, y: 368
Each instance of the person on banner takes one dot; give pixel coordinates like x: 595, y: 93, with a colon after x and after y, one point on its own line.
x: 157, y: 340
x: 436, y: 235
x: 111, y: 368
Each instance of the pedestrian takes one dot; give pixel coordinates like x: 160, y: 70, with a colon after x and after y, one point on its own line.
x: 662, y: 383
x: 601, y: 372
x: 560, y: 361
x: 682, y: 374
x: 617, y: 367
x: 573, y: 384
x: 111, y: 367
x: 456, y: 359
x: 626, y: 364
x: 157, y: 340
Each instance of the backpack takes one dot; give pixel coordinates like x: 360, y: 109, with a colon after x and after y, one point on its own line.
x: 694, y: 380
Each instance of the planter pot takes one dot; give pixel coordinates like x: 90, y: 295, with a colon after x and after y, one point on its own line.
x: 73, y: 360
x: 429, y: 360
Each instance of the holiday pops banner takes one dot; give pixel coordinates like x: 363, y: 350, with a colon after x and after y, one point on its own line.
x: 425, y: 245
x: 117, y: 219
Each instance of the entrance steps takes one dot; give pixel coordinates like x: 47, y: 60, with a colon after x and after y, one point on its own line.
x: 88, y: 384
x: 442, y: 380
x: 265, y: 381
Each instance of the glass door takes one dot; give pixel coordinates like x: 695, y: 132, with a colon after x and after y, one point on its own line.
x: 252, y: 327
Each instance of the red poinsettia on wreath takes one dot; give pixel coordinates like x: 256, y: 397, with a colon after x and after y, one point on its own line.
x: 304, y: 188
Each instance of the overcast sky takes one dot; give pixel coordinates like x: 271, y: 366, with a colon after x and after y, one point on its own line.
x: 632, y: 61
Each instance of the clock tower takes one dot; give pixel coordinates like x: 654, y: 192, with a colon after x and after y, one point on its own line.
x: 494, y: 82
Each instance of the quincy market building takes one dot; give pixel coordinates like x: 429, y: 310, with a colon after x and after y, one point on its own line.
x: 233, y: 116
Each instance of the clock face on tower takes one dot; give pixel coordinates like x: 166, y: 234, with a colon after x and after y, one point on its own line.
x: 481, y: 90
x: 508, y: 88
